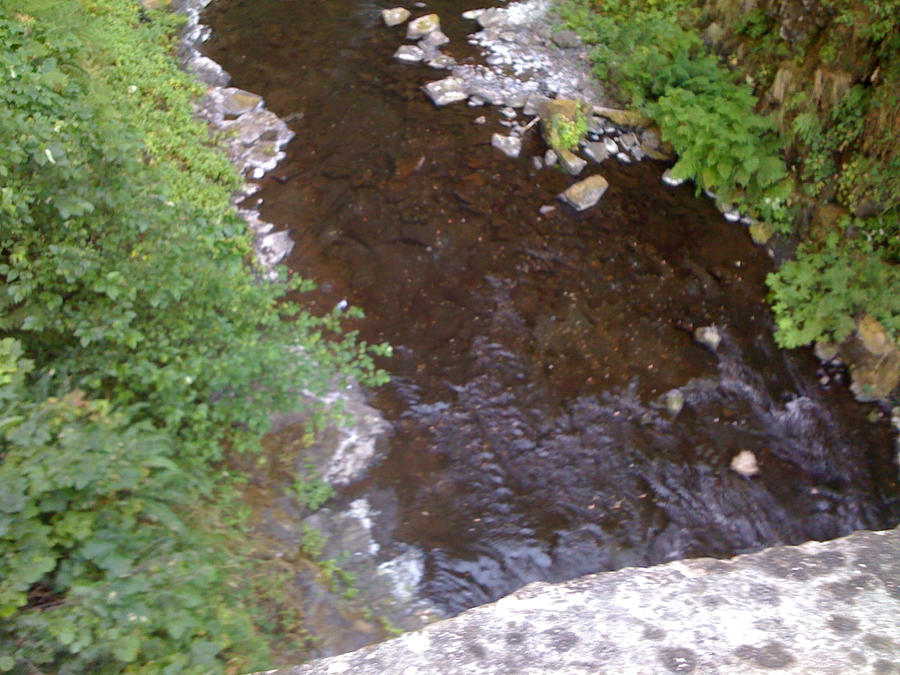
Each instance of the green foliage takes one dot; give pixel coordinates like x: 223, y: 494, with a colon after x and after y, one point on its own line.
x: 566, y: 134
x: 709, y: 118
x: 136, y: 340
x: 100, y: 573
x: 125, y: 286
x: 816, y: 296
x: 310, y: 490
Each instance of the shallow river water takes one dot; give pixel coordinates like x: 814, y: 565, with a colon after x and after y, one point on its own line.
x: 533, y: 352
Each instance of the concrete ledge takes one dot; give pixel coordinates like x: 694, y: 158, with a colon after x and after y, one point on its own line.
x: 830, y: 607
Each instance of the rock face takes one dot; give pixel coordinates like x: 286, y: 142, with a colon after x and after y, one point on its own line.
x: 820, y: 607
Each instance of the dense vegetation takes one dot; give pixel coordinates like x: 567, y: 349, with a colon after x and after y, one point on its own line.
x: 137, y: 342
x: 778, y: 122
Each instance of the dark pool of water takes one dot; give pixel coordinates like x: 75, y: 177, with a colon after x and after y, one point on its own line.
x: 532, y: 352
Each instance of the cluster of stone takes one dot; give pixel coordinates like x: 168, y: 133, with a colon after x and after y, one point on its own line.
x: 253, y: 136
x: 426, y: 30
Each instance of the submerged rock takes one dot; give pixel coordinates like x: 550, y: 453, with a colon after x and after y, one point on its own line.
x: 670, y: 180
x: 448, y: 90
x: 422, y: 26
x: 395, y: 16
x: 709, y: 337
x: 571, y: 163
x: 511, y: 146
x: 745, y: 463
x: 584, y: 194
x: 409, y: 53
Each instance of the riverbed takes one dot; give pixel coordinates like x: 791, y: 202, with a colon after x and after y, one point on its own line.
x: 533, y: 434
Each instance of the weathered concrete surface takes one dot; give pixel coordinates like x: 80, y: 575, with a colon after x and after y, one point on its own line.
x: 817, y: 608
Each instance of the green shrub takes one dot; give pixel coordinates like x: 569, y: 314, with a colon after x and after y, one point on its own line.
x: 565, y: 134
x: 817, y: 295
x: 136, y: 341
x: 663, y: 68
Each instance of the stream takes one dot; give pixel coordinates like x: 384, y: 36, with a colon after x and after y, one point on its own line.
x: 531, y: 437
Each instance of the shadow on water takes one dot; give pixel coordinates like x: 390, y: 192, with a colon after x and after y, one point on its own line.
x: 533, y: 352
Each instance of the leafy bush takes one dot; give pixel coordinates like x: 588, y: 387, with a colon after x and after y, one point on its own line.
x: 566, y: 134
x: 816, y: 296
x: 100, y: 573
x: 136, y: 339
x: 722, y: 144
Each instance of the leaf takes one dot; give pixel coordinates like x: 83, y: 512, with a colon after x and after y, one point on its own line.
x: 126, y: 648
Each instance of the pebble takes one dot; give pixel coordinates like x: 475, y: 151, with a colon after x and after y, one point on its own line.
x: 511, y: 146
x: 409, y: 54
x: 395, y: 16
x: 669, y: 180
x: 745, y: 463
x: 709, y: 337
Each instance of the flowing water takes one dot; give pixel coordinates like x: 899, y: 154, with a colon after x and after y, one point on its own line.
x: 531, y: 439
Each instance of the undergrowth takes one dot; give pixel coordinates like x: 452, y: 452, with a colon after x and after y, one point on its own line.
x: 711, y: 106
x: 136, y: 342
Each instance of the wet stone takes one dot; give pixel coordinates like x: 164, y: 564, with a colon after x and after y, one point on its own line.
x: 596, y: 151
x: 409, y: 53
x: 422, y: 26
x: 585, y: 194
x: 571, y: 163
x: 511, y: 146
x: 395, y: 16
x: 434, y: 39
x: 446, y: 91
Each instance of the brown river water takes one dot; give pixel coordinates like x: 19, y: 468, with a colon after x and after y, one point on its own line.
x: 532, y: 353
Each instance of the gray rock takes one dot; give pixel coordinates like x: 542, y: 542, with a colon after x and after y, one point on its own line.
x: 709, y: 337
x: 473, y: 14
x: 236, y: 102
x: 434, y: 39
x: 584, y: 194
x: 481, y: 119
x: 409, y: 54
x: 509, y: 145
x: 611, y: 147
x: 670, y: 180
x: 745, y: 464
x: 546, y: 209
x: 448, y: 90
x: 566, y: 39
x: 571, y: 163
x: 624, y: 158
x: 533, y: 103
x: 550, y: 157
x: 422, y: 26
x: 816, y: 608
x: 395, y: 16
x: 491, y: 17
x: 207, y: 71
x: 537, y: 163
x: 674, y: 400
x: 442, y: 62
x: 596, y: 151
